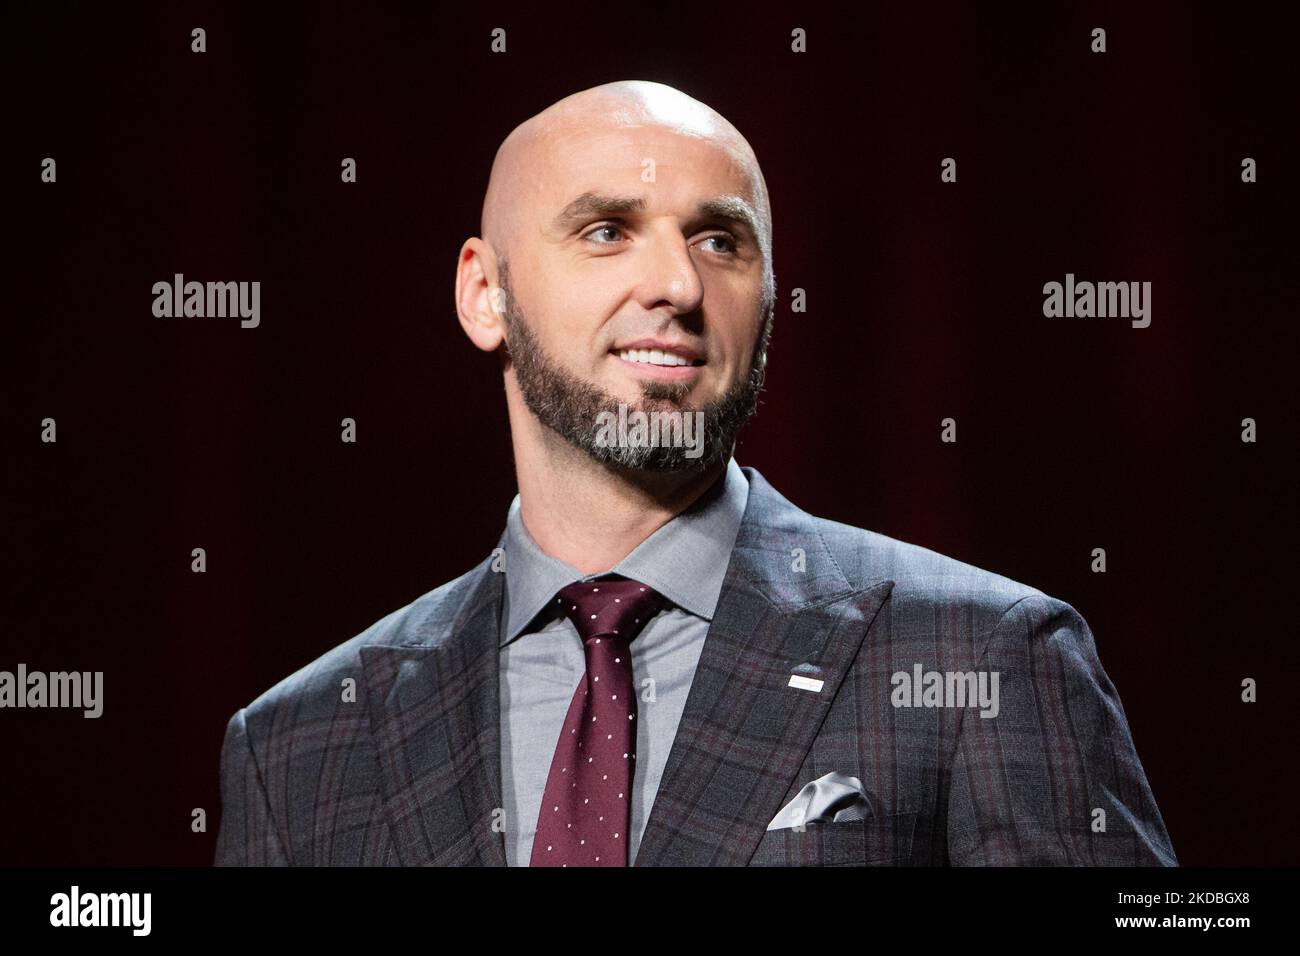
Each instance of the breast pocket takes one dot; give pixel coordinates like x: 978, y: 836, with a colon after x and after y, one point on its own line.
x: 880, y: 841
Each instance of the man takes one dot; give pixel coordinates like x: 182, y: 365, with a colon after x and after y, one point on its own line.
x: 665, y: 662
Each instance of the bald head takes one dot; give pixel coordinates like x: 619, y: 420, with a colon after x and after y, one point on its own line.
x: 526, y: 157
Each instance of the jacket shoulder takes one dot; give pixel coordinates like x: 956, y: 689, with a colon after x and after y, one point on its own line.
x: 934, y: 593
x: 918, y: 573
x: 922, y: 578
x: 427, y: 617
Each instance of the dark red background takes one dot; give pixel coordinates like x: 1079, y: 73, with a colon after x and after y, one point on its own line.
x: 924, y: 303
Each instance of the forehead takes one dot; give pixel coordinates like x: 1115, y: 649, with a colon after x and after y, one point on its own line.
x: 686, y: 166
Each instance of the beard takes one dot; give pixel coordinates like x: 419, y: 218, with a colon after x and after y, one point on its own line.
x: 573, y: 408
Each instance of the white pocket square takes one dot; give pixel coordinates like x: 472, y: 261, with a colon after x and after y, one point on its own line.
x: 831, y: 798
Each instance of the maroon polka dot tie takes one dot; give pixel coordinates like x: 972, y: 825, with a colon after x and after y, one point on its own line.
x: 586, y: 808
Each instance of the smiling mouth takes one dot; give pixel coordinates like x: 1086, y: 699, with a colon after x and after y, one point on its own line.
x: 659, y: 357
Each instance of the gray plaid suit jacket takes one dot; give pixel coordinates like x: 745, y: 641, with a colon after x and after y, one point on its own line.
x: 408, y: 773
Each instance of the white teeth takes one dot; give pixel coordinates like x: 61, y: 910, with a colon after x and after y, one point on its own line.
x: 653, y: 357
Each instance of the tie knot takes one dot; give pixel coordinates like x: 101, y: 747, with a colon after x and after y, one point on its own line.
x: 609, y: 606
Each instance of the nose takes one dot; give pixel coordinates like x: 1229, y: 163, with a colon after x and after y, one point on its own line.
x: 669, y: 275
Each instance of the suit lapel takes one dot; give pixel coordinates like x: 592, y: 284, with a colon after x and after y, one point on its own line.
x: 745, y: 732
x: 434, y: 713
x: 434, y: 707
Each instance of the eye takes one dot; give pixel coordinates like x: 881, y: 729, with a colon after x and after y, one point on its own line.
x: 728, y: 242
x: 605, y: 228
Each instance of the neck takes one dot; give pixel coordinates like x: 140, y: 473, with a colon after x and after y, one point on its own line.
x: 589, y: 514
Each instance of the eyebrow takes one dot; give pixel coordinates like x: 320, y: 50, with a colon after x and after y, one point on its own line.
x: 732, y: 209
x: 591, y: 205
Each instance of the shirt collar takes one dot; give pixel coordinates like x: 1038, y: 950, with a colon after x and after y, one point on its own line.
x: 685, y: 560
